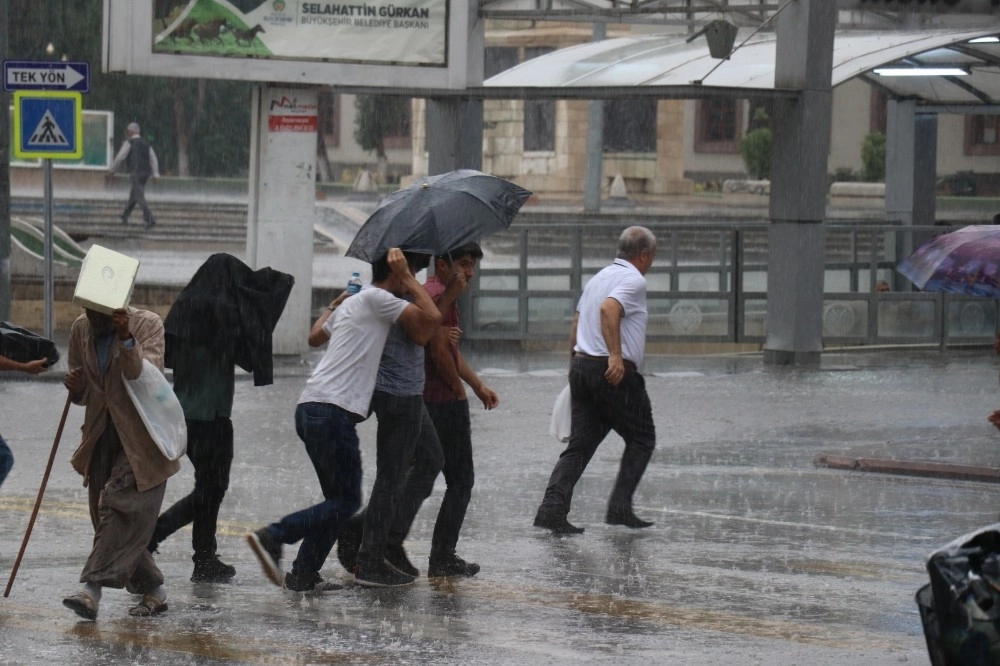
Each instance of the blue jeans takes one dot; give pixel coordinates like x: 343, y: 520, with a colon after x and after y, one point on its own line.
x: 6, y: 460
x: 332, y: 444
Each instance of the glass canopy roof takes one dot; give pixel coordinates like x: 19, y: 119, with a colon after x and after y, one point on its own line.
x: 668, y: 66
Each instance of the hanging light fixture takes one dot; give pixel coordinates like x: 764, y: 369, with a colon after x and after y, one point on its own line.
x: 720, y: 35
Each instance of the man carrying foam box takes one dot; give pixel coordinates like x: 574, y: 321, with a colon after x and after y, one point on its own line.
x: 122, y: 467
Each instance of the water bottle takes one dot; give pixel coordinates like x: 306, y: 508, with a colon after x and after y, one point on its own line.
x: 354, y: 284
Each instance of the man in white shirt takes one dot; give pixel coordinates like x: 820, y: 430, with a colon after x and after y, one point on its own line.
x: 607, y: 392
x: 337, y: 397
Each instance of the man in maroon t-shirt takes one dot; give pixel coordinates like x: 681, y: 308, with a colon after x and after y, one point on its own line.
x: 448, y: 406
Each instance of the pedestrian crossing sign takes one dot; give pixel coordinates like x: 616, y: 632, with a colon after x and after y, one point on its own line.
x: 48, y: 125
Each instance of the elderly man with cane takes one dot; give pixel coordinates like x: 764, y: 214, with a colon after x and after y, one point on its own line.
x: 122, y: 467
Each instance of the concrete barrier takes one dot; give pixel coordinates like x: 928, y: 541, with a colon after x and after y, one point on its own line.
x: 854, y: 189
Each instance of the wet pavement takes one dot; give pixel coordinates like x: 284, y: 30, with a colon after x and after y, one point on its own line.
x: 758, y: 556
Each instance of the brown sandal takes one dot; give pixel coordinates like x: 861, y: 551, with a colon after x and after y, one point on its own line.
x: 149, y: 605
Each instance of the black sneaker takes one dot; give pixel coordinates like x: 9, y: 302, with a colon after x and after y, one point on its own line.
x: 309, y: 583
x: 397, y: 559
x: 212, y: 570
x: 382, y: 575
x: 349, y: 541
x: 268, y: 551
x: 450, y: 565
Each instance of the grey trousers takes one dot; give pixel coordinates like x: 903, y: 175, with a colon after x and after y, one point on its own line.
x: 123, y: 519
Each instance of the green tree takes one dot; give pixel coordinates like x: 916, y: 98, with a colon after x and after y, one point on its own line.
x: 378, y: 117
x: 873, y: 158
x: 755, y: 147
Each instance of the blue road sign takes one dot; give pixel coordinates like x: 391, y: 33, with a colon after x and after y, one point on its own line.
x: 48, y: 125
x: 31, y: 75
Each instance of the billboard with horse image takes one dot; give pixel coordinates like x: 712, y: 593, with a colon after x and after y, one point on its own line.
x: 408, y: 45
x: 405, y: 32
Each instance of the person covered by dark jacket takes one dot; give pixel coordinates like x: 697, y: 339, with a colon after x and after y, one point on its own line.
x: 224, y: 317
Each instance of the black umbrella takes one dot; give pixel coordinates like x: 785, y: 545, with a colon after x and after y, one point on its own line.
x: 439, y: 213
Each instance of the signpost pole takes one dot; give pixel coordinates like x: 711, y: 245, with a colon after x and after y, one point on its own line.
x: 49, y: 281
x: 48, y: 122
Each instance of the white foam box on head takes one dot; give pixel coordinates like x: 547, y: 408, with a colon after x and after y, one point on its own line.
x: 106, y: 280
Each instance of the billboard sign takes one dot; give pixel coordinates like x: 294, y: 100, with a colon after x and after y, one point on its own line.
x: 400, y: 32
x: 406, y: 45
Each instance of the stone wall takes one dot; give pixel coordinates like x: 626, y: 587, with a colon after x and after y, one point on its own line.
x: 28, y: 302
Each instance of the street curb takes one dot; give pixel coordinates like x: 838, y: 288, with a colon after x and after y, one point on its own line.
x: 909, y: 468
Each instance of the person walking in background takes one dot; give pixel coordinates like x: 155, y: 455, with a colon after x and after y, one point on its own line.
x: 607, y: 341
x: 448, y: 407
x: 140, y: 158
x: 337, y: 397
x: 224, y: 317
x: 123, y: 469
x: 31, y: 368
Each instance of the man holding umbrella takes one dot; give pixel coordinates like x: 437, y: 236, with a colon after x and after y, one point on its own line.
x: 448, y: 406
x: 336, y: 398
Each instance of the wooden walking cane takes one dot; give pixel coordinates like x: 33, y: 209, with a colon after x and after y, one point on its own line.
x: 38, y: 501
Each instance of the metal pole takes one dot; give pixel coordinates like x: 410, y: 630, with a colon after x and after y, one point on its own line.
x: 5, y: 282
x: 49, y: 286
x: 595, y: 145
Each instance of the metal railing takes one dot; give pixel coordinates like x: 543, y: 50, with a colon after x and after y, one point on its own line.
x: 709, y: 284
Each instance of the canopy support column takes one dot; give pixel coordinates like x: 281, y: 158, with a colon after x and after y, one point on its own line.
x: 595, y: 144
x: 910, y: 173
x: 801, y: 144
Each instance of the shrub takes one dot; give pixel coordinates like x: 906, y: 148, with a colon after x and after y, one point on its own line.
x: 755, y: 147
x: 873, y: 158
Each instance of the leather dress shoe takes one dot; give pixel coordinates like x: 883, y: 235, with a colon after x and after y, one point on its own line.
x: 558, y: 524
x: 626, y: 518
